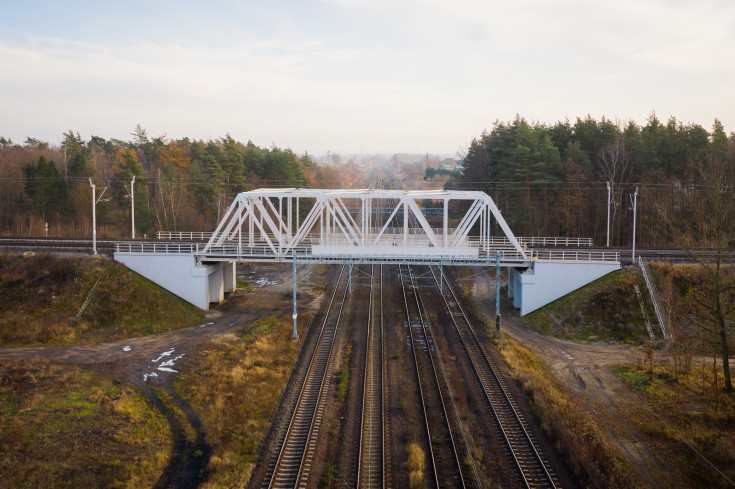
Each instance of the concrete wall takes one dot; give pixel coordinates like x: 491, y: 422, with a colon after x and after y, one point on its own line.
x: 180, y: 275
x: 547, y: 281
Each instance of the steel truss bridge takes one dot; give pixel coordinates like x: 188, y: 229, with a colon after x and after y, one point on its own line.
x: 356, y: 226
x: 366, y: 226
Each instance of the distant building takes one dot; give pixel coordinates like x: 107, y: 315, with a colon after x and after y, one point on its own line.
x: 452, y: 164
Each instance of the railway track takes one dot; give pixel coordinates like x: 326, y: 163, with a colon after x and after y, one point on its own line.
x: 445, y: 467
x: 533, y: 468
x: 56, y: 245
x: 298, y: 444
x: 371, y: 464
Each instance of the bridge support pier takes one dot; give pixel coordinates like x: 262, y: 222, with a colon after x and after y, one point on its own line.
x: 197, y: 283
x: 549, y: 280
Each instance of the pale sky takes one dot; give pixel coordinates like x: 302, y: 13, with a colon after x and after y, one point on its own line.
x: 350, y: 76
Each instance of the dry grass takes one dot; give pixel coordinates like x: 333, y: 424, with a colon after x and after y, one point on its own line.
x: 234, y: 384
x: 416, y: 464
x: 60, y: 425
x: 682, y: 417
x: 43, y: 294
x: 590, y: 452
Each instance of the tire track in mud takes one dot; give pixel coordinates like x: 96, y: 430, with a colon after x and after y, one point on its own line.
x: 187, y: 466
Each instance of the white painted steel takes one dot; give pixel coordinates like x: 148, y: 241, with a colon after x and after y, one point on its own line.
x: 341, y: 223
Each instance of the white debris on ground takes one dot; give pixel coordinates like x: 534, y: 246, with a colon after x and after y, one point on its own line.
x: 164, y: 366
x: 164, y: 354
x: 126, y: 348
x: 264, y: 282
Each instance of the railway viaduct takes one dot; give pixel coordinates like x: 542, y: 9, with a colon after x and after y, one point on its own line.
x: 357, y: 226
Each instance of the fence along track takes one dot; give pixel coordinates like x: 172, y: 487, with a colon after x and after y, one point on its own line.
x: 533, y: 469
x: 371, y: 465
x: 444, y: 460
x: 291, y: 468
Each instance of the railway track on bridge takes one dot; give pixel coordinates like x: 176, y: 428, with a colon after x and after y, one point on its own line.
x: 444, y: 460
x: 291, y: 468
x: 371, y: 459
x: 533, y: 468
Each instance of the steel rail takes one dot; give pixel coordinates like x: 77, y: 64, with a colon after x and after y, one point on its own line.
x: 468, y: 457
x: 512, y: 424
x: 300, y: 433
x: 439, y: 396
x: 372, y: 440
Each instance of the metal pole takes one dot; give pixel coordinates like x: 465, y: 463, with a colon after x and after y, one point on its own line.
x: 132, y: 205
x: 349, y: 279
x: 497, y: 296
x: 94, y: 218
x: 608, y: 214
x: 295, y: 335
x: 441, y: 277
x: 635, y: 208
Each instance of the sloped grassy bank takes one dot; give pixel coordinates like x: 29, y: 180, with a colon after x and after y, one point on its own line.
x: 42, y: 296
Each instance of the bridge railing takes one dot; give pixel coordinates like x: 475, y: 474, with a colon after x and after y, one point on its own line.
x: 575, y: 255
x: 184, y: 235
x: 555, y: 241
x: 148, y: 247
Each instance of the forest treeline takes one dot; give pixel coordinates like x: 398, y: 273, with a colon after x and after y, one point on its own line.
x: 179, y: 184
x: 551, y: 179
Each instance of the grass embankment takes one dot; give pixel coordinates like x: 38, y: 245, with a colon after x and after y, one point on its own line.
x: 680, y: 417
x: 577, y: 434
x: 63, y: 426
x: 234, y: 384
x: 42, y: 297
x: 606, y: 310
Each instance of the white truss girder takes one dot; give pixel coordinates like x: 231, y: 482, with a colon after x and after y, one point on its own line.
x: 339, y: 223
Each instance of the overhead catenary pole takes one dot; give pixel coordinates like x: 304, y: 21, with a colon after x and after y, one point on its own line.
x: 132, y: 206
x: 295, y: 335
x: 635, y: 208
x: 95, y: 200
x: 497, y: 296
x: 608, y: 214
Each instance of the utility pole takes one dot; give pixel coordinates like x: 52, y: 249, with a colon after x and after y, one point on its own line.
x: 95, y: 200
x: 608, y: 214
x: 634, y: 198
x: 131, y: 194
x: 295, y: 335
x: 497, y: 296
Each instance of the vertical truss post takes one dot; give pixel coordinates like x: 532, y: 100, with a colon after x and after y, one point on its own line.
x: 239, y: 228
x: 497, y: 296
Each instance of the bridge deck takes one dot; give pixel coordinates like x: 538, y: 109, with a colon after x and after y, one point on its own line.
x: 316, y: 253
